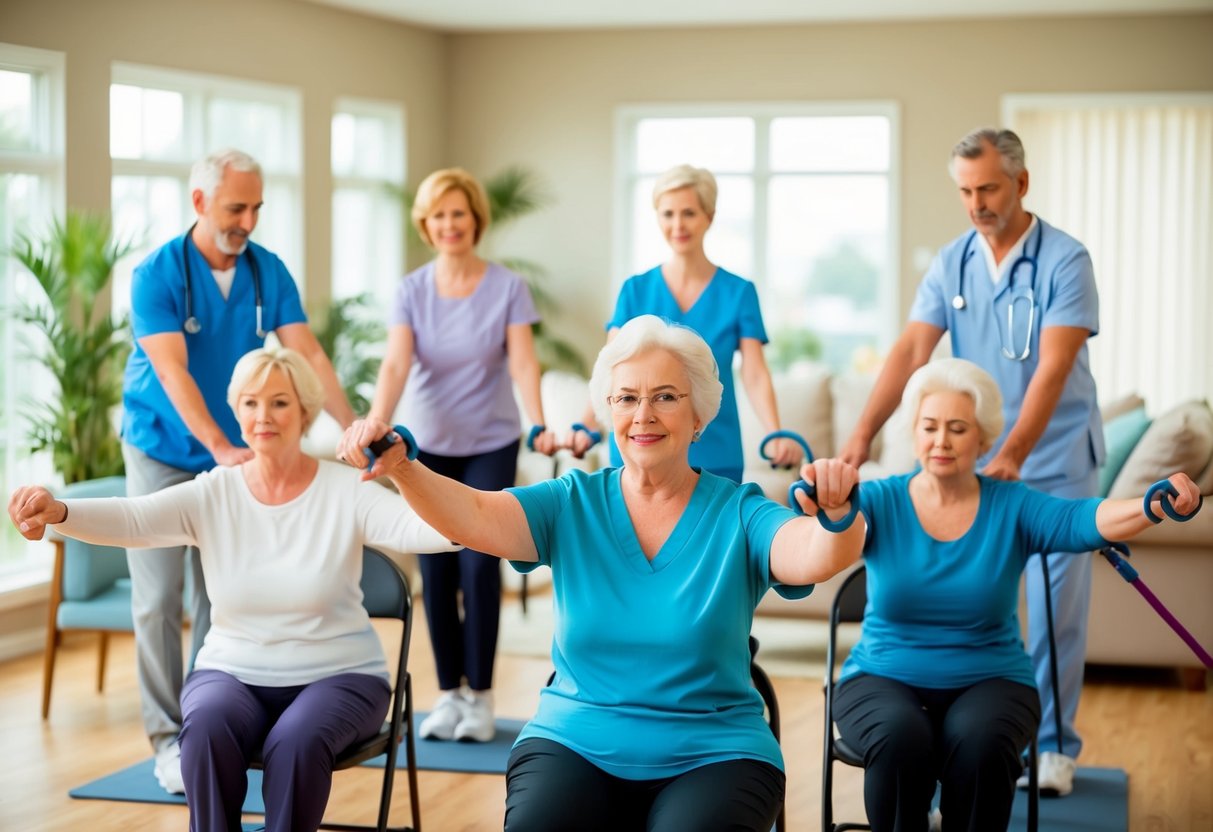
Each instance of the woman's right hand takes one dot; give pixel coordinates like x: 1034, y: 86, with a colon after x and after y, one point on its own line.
x: 32, y: 508
x: 358, y: 437
x: 834, y: 480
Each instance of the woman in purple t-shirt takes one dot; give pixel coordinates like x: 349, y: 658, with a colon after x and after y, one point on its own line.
x: 459, y: 333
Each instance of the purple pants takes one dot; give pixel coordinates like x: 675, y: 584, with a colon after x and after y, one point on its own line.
x: 299, y: 731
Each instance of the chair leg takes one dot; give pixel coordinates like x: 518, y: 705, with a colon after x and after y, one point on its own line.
x: 102, y: 654
x: 411, y: 753
x: 48, y: 667
x: 1033, y: 787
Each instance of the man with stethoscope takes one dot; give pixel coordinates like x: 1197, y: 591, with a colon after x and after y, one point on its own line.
x: 1018, y: 297
x: 198, y: 303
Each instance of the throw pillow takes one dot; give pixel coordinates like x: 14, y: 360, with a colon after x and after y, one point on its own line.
x: 1179, y: 440
x: 1120, y: 437
x: 1119, y: 407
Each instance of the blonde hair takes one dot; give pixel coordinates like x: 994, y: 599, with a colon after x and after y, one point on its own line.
x: 255, y: 367
x: 437, y: 185
x: 686, y: 176
x: 956, y: 375
x: 647, y: 333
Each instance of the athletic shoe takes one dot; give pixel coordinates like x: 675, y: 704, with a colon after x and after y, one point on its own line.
x: 1055, y: 775
x: 447, y: 713
x: 168, y: 769
x: 477, y: 724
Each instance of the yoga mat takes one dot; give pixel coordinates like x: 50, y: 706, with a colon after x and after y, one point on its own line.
x: 1099, y: 803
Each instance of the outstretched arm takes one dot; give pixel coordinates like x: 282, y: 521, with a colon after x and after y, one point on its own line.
x: 805, y: 553
x: 1125, y: 519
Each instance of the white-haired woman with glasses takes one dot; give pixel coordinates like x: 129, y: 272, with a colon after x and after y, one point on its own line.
x: 290, y: 667
x: 939, y: 687
x: 723, y: 308
x: 651, y: 721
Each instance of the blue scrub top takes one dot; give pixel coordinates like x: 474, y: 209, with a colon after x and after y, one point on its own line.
x: 726, y: 312
x: 1072, y: 444
x: 229, y: 330
x: 652, y: 657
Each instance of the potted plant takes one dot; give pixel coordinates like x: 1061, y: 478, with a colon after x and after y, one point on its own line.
x: 350, y: 332
x: 82, y: 345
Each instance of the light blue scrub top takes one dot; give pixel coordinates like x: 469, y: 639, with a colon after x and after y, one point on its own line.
x: 1072, y: 444
x: 726, y: 312
x: 229, y: 330
x: 652, y: 658
x: 943, y: 614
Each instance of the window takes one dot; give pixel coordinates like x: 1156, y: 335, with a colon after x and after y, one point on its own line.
x: 1131, y: 176
x: 368, y: 214
x: 162, y: 121
x: 31, y: 196
x: 805, y: 210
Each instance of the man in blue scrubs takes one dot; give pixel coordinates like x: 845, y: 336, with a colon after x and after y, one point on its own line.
x: 1037, y: 352
x: 198, y: 303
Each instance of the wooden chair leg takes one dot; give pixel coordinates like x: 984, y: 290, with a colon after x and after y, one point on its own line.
x: 52, y: 628
x: 102, y: 654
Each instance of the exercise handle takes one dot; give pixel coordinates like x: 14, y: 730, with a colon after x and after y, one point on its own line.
x: 785, y: 434
x: 1165, y: 491
x: 381, y: 445
x: 533, y: 435
x: 595, y: 436
x: 810, y: 490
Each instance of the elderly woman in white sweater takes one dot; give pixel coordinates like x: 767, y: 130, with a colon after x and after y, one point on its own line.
x: 290, y: 666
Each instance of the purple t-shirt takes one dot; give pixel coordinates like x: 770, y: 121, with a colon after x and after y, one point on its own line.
x: 459, y: 399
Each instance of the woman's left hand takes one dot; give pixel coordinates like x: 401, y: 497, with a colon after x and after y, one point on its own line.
x: 546, y: 442
x: 1188, y: 498
x: 784, y: 453
x: 357, y: 438
x: 32, y: 508
x: 834, y: 481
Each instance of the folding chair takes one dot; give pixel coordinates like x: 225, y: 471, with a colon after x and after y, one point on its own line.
x: 386, y: 594
x: 848, y: 607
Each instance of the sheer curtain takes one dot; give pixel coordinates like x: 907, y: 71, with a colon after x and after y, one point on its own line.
x: 1132, y: 178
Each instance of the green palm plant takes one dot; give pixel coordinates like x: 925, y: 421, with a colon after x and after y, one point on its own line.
x: 83, y: 346
x: 347, y: 330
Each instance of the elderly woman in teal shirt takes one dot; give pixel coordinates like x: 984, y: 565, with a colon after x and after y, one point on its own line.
x: 651, y: 721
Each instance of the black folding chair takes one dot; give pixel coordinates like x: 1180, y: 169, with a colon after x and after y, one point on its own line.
x: 386, y: 594
x: 848, y: 608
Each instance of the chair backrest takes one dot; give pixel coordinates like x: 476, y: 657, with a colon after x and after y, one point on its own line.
x: 89, y: 569
x: 385, y: 587
x: 848, y: 607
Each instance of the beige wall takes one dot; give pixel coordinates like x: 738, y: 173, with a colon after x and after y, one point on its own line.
x: 548, y: 100
x: 323, y: 52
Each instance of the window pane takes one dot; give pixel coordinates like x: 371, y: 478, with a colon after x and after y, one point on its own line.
x: 836, y: 143
x: 149, y: 211
x: 16, y: 110
x: 163, y: 125
x: 126, y: 122
x: 344, y: 143
x: 718, y: 144
x: 258, y: 129
x: 827, y: 260
x: 367, y: 242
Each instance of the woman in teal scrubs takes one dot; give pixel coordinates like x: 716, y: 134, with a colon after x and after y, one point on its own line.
x: 651, y: 721
x: 723, y: 308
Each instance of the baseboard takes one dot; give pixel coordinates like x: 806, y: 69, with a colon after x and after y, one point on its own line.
x: 22, y: 643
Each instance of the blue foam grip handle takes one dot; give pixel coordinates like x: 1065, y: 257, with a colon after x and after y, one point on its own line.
x: 530, y: 437
x: 840, y: 525
x: 380, y: 446
x: 785, y: 434
x: 595, y: 436
x: 1165, y: 492
x: 1112, y: 552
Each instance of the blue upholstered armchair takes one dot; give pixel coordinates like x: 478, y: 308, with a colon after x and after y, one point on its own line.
x: 90, y: 588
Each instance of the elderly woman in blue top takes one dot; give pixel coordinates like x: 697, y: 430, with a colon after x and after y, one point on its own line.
x: 651, y: 721
x: 722, y: 307
x: 939, y: 687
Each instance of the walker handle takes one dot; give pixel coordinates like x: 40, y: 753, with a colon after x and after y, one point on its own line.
x: 1165, y: 491
x: 381, y: 445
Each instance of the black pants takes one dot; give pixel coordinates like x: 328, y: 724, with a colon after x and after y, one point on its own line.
x: 466, y: 648
x: 970, y: 740
x: 552, y: 789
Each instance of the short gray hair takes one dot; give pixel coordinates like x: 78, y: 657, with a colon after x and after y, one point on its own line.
x: 686, y: 176
x: 647, y: 333
x: 255, y: 367
x: 207, y: 173
x: 1004, y: 142
x: 956, y: 375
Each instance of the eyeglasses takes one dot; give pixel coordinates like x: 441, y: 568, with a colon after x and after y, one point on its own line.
x: 626, y: 403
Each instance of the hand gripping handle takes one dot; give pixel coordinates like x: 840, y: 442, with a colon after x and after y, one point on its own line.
x: 381, y: 445
x: 1165, y: 491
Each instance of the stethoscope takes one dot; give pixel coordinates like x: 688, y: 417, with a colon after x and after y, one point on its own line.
x: 192, y: 325
x: 1023, y: 293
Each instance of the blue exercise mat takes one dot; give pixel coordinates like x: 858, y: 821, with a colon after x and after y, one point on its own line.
x: 138, y: 784
x: 1099, y: 803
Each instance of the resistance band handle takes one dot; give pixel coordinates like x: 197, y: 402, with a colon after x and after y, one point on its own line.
x: 381, y: 445
x: 530, y: 437
x: 1165, y: 491
x: 810, y: 490
x: 1112, y: 553
x: 595, y: 436
x: 785, y: 434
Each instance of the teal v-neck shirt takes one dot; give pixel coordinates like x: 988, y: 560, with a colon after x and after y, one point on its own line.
x: 652, y: 657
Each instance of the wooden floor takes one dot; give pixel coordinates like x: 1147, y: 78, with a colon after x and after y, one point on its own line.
x: 1144, y: 722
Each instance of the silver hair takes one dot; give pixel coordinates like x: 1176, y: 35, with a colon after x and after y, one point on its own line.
x: 956, y: 375
x: 686, y: 176
x: 254, y: 368
x: 207, y: 172
x: 1005, y: 143
x: 647, y: 333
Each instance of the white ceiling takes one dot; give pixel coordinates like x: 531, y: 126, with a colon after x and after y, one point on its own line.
x: 481, y: 15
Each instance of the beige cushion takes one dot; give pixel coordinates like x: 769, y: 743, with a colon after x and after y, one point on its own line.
x: 1179, y: 440
x: 802, y: 395
x: 1119, y: 407
x: 851, y: 391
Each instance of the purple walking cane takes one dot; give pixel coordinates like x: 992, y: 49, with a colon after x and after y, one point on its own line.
x: 1114, y: 552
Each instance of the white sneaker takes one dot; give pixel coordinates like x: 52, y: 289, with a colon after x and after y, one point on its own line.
x: 447, y: 713
x: 477, y: 724
x: 1054, y: 774
x: 168, y: 769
